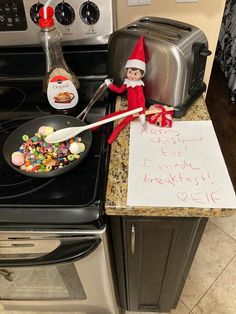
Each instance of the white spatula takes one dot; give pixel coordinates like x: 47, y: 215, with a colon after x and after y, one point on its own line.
x: 67, y: 133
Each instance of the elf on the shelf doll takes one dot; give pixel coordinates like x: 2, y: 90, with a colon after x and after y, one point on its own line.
x: 135, y: 70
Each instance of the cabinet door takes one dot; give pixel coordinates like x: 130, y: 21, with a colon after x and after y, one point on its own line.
x: 158, y: 254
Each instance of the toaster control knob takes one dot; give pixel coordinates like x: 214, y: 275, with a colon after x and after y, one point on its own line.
x: 64, y: 13
x: 89, y: 12
x: 34, y: 12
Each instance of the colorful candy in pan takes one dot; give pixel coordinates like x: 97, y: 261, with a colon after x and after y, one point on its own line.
x: 35, y: 155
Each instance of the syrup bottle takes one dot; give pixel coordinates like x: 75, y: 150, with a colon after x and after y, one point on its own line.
x: 60, y: 83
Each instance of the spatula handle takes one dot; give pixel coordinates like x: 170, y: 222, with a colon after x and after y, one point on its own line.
x: 119, y: 116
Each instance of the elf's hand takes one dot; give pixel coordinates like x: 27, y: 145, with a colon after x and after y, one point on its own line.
x: 107, y: 82
x: 142, y: 118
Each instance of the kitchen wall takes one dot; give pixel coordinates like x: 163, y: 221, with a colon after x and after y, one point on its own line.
x: 206, y: 14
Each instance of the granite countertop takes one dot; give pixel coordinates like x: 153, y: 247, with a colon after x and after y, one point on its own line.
x: 117, y: 185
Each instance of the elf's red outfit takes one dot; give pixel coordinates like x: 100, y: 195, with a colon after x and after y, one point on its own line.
x: 135, y: 96
x: 135, y: 99
x: 136, y: 69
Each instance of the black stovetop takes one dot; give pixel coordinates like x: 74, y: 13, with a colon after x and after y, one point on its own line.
x: 73, y: 198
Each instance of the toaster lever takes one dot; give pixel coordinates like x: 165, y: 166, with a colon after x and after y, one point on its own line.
x: 200, y: 54
x: 205, y: 52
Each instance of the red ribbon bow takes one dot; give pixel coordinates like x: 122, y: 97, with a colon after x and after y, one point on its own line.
x: 163, y: 118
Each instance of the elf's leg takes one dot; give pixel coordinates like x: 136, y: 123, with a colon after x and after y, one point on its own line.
x: 120, y: 127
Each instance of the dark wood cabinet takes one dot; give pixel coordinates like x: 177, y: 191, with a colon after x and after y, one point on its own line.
x: 152, y: 259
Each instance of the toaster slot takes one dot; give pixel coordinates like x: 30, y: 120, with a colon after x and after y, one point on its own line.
x: 164, y: 35
x: 162, y: 31
x: 167, y: 23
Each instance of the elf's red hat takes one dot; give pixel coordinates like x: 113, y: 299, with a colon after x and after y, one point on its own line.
x: 137, y: 58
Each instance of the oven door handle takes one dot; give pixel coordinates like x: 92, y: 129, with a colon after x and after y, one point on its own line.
x: 67, y: 251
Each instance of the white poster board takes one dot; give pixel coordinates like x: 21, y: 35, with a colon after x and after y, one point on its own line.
x: 180, y: 166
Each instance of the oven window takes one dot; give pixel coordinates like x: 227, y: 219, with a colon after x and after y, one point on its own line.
x: 41, y: 283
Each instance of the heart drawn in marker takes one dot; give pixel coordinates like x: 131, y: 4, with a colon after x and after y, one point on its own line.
x: 182, y: 196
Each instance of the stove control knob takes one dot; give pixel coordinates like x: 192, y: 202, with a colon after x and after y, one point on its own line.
x: 89, y: 12
x: 64, y: 13
x: 34, y: 12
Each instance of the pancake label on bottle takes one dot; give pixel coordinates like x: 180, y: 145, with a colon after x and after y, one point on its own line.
x: 62, y: 93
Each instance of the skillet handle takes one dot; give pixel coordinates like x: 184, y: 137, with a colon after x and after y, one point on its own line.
x: 99, y: 92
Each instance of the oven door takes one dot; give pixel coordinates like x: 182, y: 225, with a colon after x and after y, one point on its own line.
x: 56, y: 272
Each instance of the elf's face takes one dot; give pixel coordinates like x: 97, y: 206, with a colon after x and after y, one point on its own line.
x: 134, y: 75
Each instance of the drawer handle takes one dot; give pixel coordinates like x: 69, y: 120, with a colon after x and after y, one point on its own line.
x: 132, y: 239
x: 8, y: 275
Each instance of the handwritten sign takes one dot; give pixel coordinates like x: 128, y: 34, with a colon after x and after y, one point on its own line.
x: 180, y: 166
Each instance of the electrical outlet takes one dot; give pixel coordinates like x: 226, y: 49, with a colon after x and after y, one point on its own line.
x: 185, y: 1
x: 138, y: 2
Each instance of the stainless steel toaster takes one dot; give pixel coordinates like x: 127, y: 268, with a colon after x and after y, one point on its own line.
x: 175, y: 55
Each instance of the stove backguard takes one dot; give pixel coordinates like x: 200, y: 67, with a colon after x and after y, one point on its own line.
x: 80, y: 21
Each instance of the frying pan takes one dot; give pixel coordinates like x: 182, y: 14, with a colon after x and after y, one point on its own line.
x: 14, y: 141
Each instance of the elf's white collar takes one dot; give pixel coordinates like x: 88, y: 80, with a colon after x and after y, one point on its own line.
x: 130, y: 83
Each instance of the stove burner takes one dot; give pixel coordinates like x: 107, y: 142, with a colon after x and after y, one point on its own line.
x: 11, y: 99
x: 75, y: 198
x: 22, y: 101
x: 21, y: 188
x: 13, y: 184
